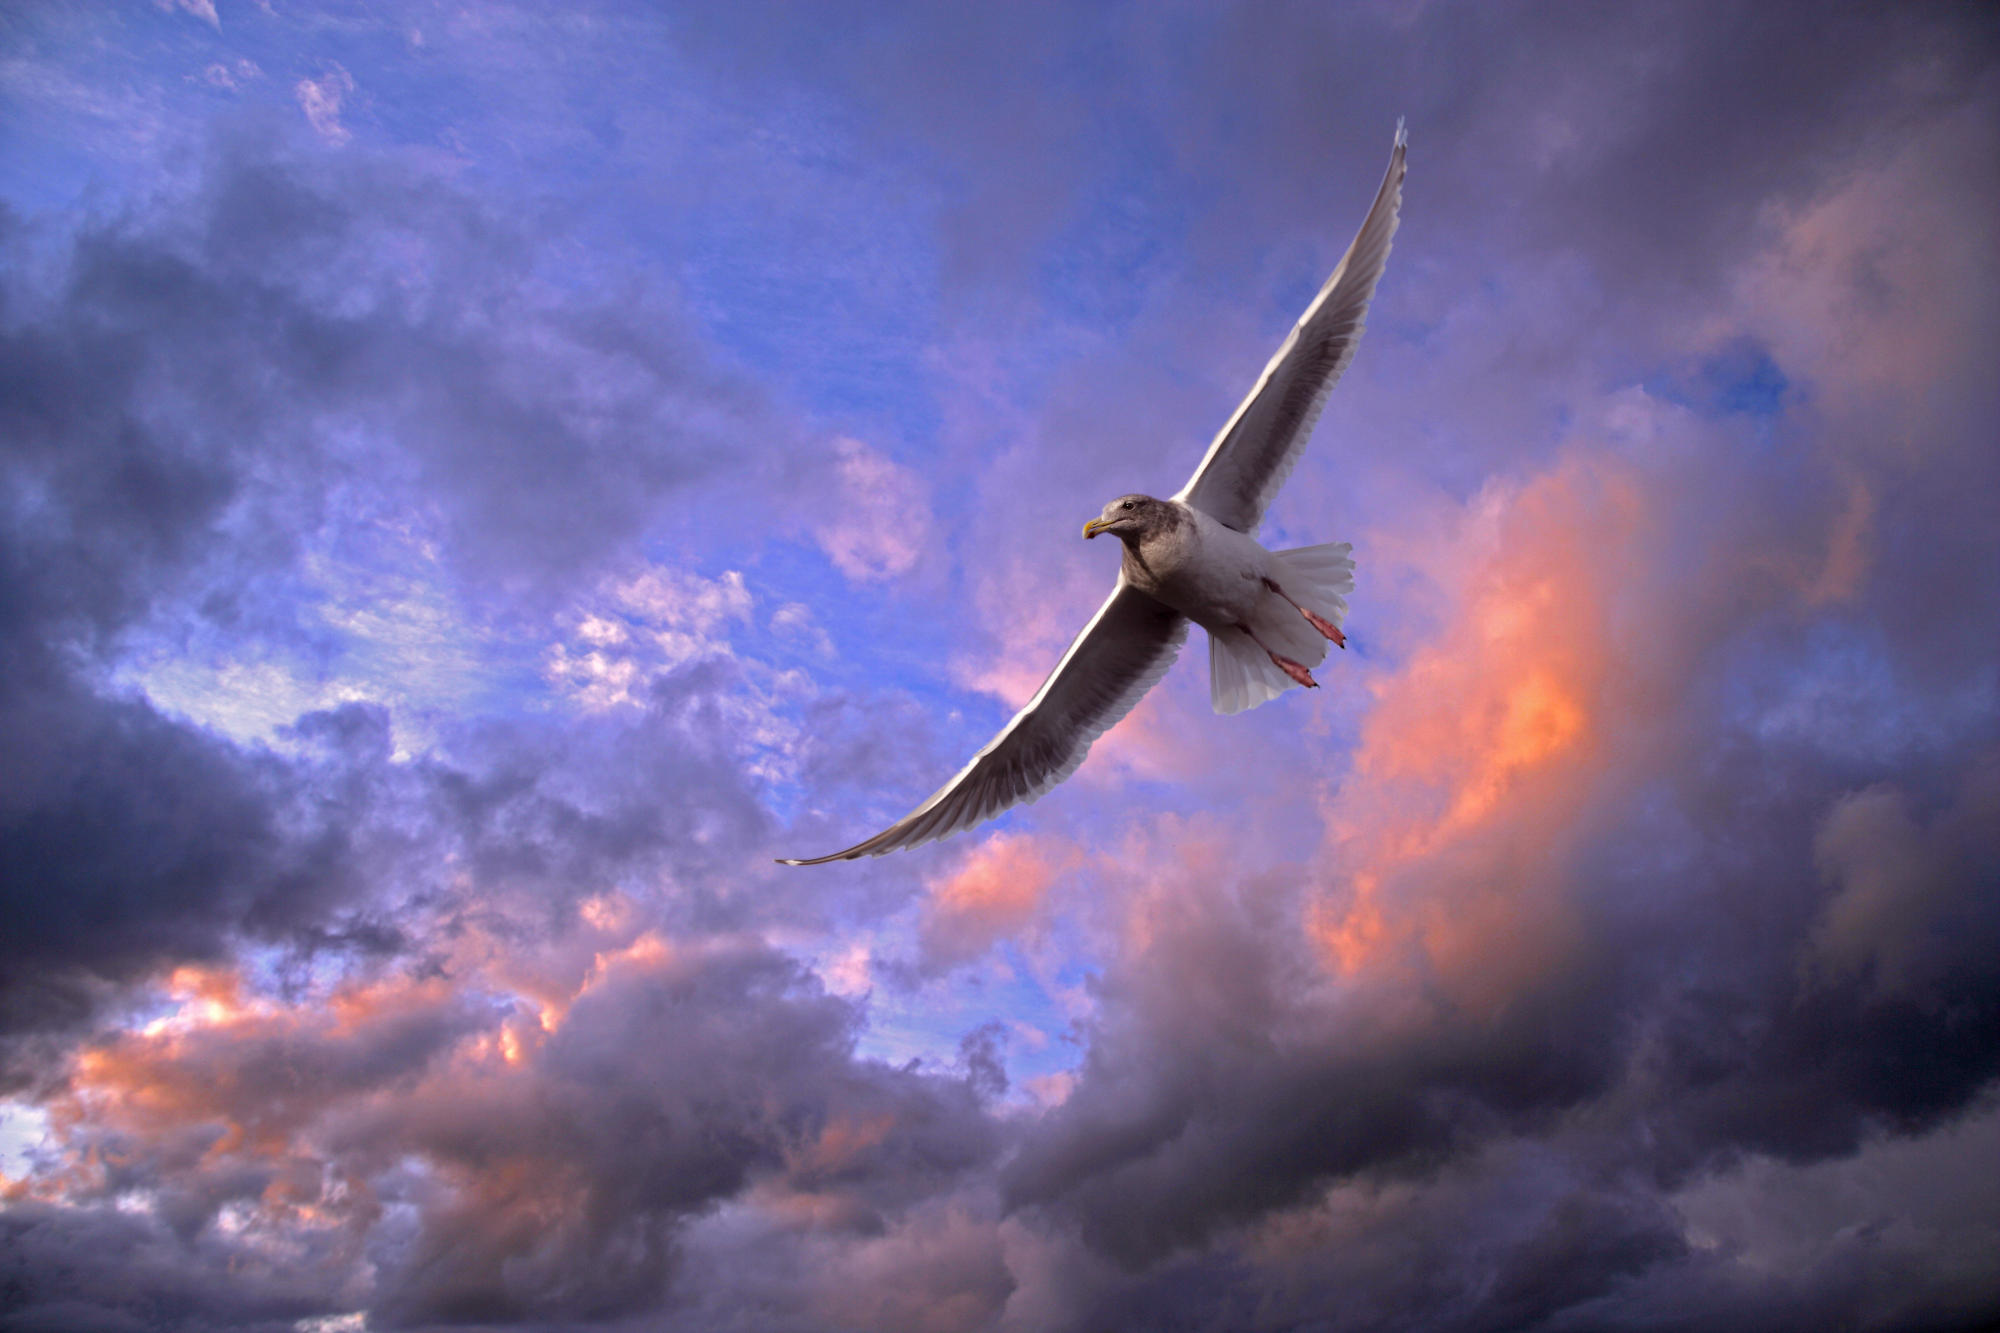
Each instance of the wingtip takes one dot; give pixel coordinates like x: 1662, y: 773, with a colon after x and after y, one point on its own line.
x: 1402, y: 134
x: 850, y: 854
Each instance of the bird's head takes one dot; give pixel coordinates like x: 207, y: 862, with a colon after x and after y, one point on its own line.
x: 1133, y: 518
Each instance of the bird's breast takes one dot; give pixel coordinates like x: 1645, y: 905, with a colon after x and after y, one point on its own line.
x: 1211, y: 574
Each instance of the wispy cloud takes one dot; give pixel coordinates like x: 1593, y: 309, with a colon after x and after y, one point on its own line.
x: 879, y: 522
x: 321, y: 100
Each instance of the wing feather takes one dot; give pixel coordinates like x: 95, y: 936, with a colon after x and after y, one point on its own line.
x: 1123, y: 652
x: 1256, y: 451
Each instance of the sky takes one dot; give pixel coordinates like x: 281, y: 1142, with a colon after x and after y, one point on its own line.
x: 482, y: 481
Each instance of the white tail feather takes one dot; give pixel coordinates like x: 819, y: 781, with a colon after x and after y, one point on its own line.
x: 1240, y: 674
x: 1318, y: 577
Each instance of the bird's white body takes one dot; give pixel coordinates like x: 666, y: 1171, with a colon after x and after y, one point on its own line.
x: 1249, y: 598
x: 1225, y: 581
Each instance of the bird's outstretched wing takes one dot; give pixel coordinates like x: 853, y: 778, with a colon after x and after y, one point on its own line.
x: 1124, y: 650
x: 1256, y: 451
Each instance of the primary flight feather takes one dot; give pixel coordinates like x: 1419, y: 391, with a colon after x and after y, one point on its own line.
x: 1269, y: 614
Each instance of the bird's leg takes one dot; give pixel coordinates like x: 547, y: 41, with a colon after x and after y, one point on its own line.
x: 1296, y: 670
x: 1320, y: 623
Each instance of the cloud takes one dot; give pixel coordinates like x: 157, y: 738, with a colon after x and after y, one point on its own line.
x: 651, y: 621
x: 544, y: 1166
x: 201, y: 9
x: 320, y: 99
x: 135, y: 840
x: 1895, y: 1231
x: 995, y: 892
x: 881, y: 523
x: 160, y: 367
x: 1905, y: 895
x: 232, y: 76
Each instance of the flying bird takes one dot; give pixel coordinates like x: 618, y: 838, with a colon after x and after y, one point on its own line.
x: 1269, y: 614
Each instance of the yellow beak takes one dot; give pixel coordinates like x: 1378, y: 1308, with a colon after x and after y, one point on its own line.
x: 1091, y: 528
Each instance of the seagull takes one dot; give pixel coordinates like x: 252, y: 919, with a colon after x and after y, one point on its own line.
x: 1193, y: 558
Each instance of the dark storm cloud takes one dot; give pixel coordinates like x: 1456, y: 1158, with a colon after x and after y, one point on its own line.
x: 1213, y: 1102
x: 130, y: 840
x: 663, y: 1092
x: 125, y: 837
x: 1529, y: 1154
x: 73, y: 1270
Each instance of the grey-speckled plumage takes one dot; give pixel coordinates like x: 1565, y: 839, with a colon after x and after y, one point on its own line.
x: 1192, y: 558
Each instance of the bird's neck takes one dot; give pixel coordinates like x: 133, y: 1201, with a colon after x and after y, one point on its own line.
x: 1140, y: 560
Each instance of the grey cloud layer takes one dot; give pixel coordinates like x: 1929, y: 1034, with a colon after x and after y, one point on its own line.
x: 483, y: 1194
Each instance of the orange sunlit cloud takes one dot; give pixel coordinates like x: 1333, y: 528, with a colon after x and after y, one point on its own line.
x: 1481, y: 744
x: 995, y: 892
x: 234, y: 1081
x: 226, y: 1060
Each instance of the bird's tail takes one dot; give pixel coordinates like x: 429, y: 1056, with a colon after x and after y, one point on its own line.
x: 1240, y: 673
x: 1319, y: 577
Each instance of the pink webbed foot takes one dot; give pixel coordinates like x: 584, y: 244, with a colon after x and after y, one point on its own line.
x: 1326, y: 627
x: 1318, y: 622
x: 1296, y: 671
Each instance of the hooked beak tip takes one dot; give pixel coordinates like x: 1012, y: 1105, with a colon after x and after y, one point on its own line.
x: 1090, y: 528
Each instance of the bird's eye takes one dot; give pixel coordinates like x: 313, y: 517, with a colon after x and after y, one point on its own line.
x: 1126, y: 505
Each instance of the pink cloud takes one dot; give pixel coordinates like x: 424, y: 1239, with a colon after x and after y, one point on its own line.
x: 995, y: 892
x: 1881, y: 284
x: 880, y: 523
x: 1481, y: 746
